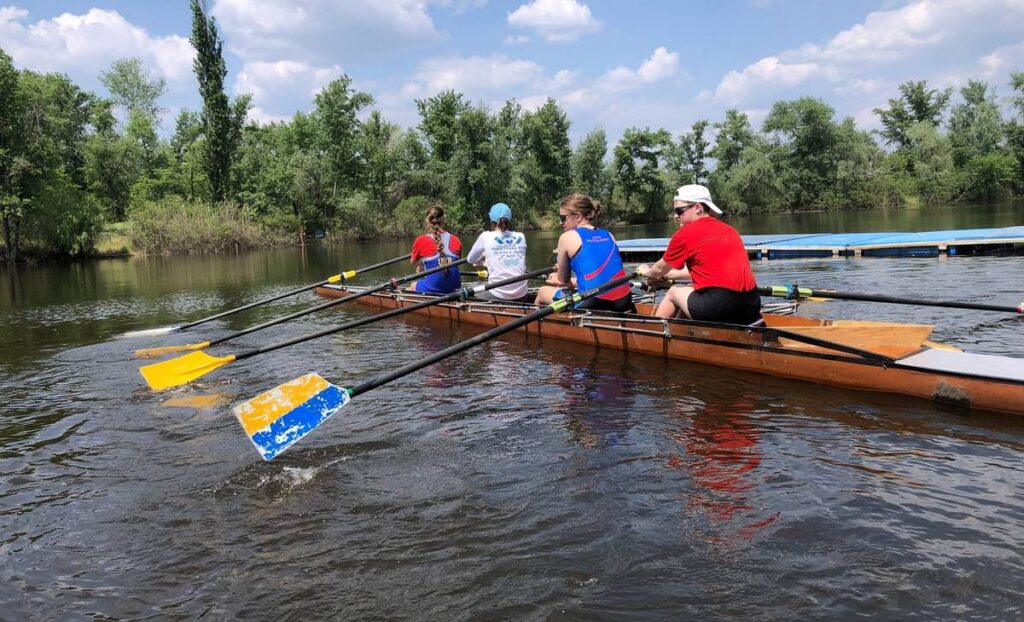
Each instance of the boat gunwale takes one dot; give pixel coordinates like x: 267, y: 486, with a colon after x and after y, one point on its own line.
x: 573, y: 319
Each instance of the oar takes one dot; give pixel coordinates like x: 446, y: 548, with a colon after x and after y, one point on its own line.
x: 276, y: 419
x: 342, y: 276
x: 793, y: 292
x: 189, y: 367
x: 479, y: 274
x: 202, y: 345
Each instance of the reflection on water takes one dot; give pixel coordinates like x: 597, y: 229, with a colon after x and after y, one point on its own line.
x: 523, y: 479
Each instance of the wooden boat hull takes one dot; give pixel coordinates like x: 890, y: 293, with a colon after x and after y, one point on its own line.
x: 898, y: 365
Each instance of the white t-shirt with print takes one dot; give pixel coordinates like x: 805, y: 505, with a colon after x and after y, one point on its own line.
x: 505, y: 255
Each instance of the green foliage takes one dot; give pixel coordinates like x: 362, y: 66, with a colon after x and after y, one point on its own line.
x: 589, y: 173
x: 222, y: 120
x: 177, y: 226
x: 638, y: 162
x: 975, y: 126
x: 916, y: 104
x: 988, y: 177
x: 131, y: 87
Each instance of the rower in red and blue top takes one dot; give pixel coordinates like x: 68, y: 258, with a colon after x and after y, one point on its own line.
x: 591, y: 254
x: 711, y: 253
x: 435, y: 248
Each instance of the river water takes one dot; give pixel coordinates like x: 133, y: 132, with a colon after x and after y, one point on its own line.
x: 520, y: 480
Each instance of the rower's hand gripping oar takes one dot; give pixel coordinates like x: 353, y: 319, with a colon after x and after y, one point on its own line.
x: 342, y: 276
x: 202, y: 345
x: 276, y: 419
x: 794, y: 292
x: 189, y: 367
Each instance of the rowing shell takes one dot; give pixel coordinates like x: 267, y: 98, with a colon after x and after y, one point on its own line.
x: 885, y: 357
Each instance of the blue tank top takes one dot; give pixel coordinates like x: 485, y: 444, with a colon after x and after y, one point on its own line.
x: 443, y: 282
x: 598, y: 262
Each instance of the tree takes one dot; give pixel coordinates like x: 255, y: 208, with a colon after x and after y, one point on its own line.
x: 1015, y: 127
x: 337, y: 118
x: 916, y: 104
x: 805, y: 132
x: 733, y: 135
x: 13, y: 164
x: 222, y: 120
x: 637, y: 162
x: 379, y: 151
x: 692, y: 151
x: 546, y: 142
x: 132, y: 88
x: 975, y: 126
x: 589, y: 174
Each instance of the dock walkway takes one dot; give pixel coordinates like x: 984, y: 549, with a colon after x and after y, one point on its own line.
x: 1005, y: 240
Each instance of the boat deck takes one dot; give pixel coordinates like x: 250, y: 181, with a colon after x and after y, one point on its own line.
x: 968, y: 364
x: 1007, y: 240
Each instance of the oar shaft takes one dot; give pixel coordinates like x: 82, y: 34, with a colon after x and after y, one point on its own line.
x: 331, y: 303
x: 457, y: 295
x: 293, y: 292
x: 803, y: 292
x: 560, y: 305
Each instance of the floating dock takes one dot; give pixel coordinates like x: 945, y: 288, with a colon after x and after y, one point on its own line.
x: 1005, y: 240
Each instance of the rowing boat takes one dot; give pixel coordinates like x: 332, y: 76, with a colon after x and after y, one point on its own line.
x: 864, y: 355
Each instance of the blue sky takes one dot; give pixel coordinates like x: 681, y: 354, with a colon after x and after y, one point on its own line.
x: 611, y: 64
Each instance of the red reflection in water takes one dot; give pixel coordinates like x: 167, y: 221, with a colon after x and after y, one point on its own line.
x: 722, y: 457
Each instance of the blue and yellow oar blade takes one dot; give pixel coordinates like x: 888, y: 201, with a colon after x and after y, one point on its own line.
x: 182, y: 370
x: 148, y: 353
x: 276, y: 419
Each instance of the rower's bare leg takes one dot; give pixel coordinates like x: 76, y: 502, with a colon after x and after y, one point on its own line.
x: 546, y: 295
x: 674, y: 302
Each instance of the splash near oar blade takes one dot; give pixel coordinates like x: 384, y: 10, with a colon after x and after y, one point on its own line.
x: 181, y: 370
x: 151, y: 332
x: 276, y: 419
x: 148, y: 353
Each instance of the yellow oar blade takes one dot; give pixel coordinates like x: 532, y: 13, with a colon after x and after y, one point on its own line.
x: 182, y: 370
x: 148, y: 353
x: 274, y: 420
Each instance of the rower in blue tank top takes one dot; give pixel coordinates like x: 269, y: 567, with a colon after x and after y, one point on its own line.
x: 591, y: 254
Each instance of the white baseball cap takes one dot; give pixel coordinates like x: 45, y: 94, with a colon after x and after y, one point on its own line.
x: 696, y: 193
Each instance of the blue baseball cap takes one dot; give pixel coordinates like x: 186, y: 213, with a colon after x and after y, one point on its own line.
x: 499, y: 211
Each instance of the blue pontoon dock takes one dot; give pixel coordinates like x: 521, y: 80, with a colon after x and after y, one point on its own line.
x: 1005, y: 240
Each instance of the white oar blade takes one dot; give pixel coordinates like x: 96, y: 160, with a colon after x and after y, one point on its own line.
x: 276, y: 419
x: 150, y: 332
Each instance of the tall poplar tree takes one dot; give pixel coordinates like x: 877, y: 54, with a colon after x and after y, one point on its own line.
x: 222, y: 120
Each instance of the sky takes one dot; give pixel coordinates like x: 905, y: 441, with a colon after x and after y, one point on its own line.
x: 610, y: 64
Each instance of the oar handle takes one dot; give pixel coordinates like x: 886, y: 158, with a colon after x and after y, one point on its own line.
x: 558, y: 305
x: 343, y: 276
x: 331, y: 303
x: 793, y: 292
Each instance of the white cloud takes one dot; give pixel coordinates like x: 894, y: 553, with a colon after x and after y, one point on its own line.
x: 1002, y: 60
x: 769, y: 72
x: 920, y: 39
x: 861, y: 85
x: 562, y: 79
x: 322, y: 31
x: 261, y: 77
x: 261, y: 116
x: 555, y: 21
x: 515, y: 39
x: 84, y: 45
x: 473, y: 75
x: 661, y: 64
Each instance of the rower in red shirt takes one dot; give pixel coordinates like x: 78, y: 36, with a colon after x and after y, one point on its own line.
x: 711, y: 253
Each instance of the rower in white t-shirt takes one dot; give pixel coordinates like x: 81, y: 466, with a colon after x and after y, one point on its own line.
x: 504, y: 252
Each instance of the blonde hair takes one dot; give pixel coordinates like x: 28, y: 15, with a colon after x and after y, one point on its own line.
x: 582, y: 205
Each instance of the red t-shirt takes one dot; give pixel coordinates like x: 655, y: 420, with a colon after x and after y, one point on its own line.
x: 425, y: 246
x: 714, y: 253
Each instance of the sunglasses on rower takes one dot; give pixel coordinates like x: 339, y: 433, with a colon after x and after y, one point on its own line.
x: 562, y: 217
x: 679, y: 211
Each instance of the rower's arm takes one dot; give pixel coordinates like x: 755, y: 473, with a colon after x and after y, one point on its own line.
x: 661, y: 269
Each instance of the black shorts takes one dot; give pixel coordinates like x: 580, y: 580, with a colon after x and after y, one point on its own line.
x: 620, y: 305
x: 717, y: 304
